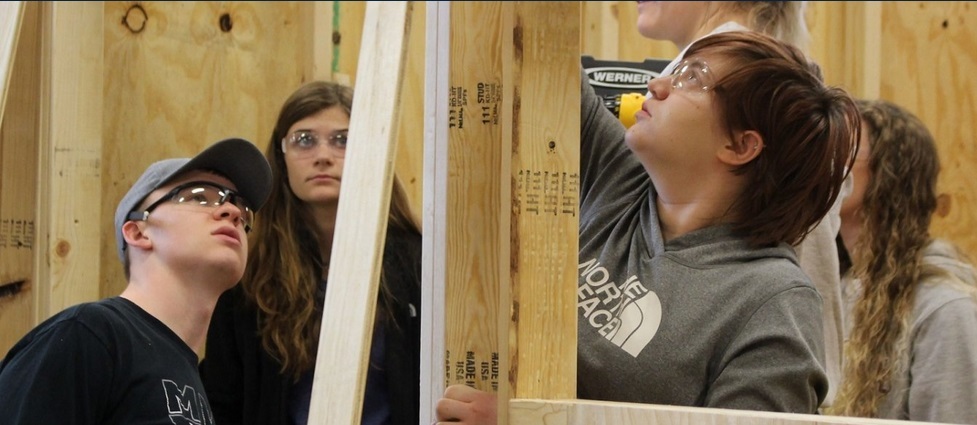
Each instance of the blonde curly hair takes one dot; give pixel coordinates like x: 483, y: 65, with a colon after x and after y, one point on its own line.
x: 899, y: 203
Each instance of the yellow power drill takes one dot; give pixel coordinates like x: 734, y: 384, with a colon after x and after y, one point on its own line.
x: 624, y: 106
x: 622, y: 85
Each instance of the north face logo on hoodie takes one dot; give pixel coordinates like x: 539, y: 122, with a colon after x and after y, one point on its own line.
x: 627, y: 314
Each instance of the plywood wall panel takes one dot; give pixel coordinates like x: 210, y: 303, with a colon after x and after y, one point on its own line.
x: 929, y: 54
x: 182, y: 75
x: 608, y: 31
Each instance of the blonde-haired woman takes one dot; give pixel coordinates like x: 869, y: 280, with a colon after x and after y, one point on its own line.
x: 911, y: 351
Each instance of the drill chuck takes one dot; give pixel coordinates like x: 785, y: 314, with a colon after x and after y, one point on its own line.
x: 624, y: 106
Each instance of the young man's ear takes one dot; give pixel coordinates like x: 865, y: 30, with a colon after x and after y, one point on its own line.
x: 742, y: 148
x: 135, y: 235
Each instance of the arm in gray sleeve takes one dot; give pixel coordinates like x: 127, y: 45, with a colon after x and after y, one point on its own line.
x: 944, y: 365
x: 776, y: 362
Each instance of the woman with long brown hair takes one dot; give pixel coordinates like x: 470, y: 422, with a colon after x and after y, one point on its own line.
x: 911, y: 351
x: 263, y: 340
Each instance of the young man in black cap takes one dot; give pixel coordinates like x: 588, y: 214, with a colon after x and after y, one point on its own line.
x: 181, y: 233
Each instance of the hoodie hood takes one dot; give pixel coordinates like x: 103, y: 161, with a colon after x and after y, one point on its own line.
x: 717, y: 246
x: 948, y: 257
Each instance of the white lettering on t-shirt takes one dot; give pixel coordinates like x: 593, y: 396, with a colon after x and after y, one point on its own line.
x: 185, y: 406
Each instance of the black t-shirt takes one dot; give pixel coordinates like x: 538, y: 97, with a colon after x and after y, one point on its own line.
x: 106, y: 362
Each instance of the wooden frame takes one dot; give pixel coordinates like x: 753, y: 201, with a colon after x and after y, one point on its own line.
x: 68, y: 116
x: 584, y: 412
x: 19, y: 43
x: 361, y: 222
x: 11, y: 15
x: 524, y: 353
x: 500, y: 199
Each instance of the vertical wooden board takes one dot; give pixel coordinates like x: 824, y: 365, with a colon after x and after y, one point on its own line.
x: 825, y: 20
x: 182, y: 75
x: 545, y: 184
x: 435, y: 207
x: 350, y: 304
x: 11, y: 13
x: 475, y: 265
x: 320, y: 20
x: 70, y: 158
x: 869, y: 30
x: 18, y: 184
x: 844, y: 42
x: 633, y: 46
x: 410, y: 149
x: 599, y: 29
x: 348, y: 34
x: 929, y: 54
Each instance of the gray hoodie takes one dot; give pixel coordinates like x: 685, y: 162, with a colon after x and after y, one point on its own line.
x: 703, y: 320
x: 940, y: 382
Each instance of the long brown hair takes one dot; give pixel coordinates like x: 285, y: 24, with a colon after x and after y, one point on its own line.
x: 900, y: 199
x: 284, y: 264
x: 810, y: 133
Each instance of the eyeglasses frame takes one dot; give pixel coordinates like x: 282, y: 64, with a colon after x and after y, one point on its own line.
x: 706, y: 71
x: 331, y: 142
x: 227, y: 194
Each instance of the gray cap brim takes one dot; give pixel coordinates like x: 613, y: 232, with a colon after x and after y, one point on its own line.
x: 238, y: 159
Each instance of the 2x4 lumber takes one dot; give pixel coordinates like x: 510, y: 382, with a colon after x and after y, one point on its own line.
x: 434, y: 207
x: 476, y: 264
x: 323, y: 18
x: 585, y: 412
x: 544, y: 59
x: 409, y: 165
x: 350, y: 304
x: 11, y: 14
x: 69, y: 222
x: 18, y: 178
x: 868, y: 30
x: 466, y: 262
x: 501, y: 198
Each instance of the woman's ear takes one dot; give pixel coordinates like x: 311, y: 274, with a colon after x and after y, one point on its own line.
x: 135, y: 234
x: 742, y: 148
